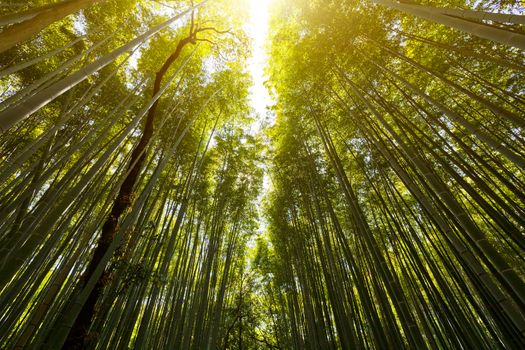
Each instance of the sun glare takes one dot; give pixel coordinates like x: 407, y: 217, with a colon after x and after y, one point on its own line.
x: 258, y: 30
x: 259, y: 18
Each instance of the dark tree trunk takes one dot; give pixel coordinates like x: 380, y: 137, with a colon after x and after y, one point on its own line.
x: 79, y: 332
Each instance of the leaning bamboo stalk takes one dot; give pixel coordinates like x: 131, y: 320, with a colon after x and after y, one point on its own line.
x: 34, y: 23
x: 456, y: 117
x: 466, y: 52
x: 31, y: 13
x: 480, y: 30
x: 480, y: 15
x: 477, y: 236
x: 34, y: 239
x: 516, y: 119
x: 30, y: 149
x: 52, y: 77
x: 13, y: 115
x: 50, y: 219
x: 23, y: 65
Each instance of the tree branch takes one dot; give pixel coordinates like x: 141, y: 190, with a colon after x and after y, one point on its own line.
x: 203, y: 29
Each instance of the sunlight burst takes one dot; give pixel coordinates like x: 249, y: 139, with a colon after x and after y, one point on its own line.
x: 258, y: 30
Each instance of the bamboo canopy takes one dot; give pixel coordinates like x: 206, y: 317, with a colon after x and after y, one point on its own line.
x: 148, y: 202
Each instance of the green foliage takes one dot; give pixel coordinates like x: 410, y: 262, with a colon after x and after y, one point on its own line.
x: 382, y: 209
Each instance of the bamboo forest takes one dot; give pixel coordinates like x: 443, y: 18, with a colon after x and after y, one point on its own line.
x: 262, y: 174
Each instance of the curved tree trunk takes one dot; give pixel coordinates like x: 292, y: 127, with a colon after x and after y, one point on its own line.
x: 123, y: 201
